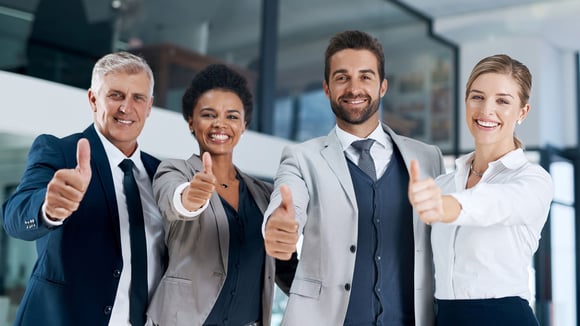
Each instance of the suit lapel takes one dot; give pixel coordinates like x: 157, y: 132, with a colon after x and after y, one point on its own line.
x: 103, y: 176
x: 150, y: 163
x: 334, y: 156
x: 260, y: 197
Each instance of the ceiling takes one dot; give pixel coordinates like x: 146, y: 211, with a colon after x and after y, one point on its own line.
x: 557, y: 21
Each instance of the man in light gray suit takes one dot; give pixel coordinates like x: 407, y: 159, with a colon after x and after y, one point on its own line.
x: 366, y: 258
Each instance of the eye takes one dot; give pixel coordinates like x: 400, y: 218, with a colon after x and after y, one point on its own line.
x: 116, y: 96
x: 207, y: 115
x: 233, y: 117
x: 139, y: 98
x: 340, y: 78
x: 477, y: 97
x: 502, y: 101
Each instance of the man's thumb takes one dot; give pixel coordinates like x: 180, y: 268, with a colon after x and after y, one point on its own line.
x: 286, y: 198
x: 414, y: 171
x: 207, y: 164
x: 83, y: 157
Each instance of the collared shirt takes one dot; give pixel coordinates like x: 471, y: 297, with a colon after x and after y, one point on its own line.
x: 153, y: 229
x: 381, y: 151
x: 486, y: 253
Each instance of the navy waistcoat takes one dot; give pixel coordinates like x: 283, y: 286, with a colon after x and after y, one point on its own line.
x: 382, y: 288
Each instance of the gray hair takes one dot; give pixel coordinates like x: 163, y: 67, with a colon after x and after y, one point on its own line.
x: 120, y: 62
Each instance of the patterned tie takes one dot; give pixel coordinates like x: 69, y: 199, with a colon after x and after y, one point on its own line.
x: 138, y: 291
x: 365, y: 161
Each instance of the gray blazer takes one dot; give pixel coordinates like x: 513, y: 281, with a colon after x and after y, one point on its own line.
x: 198, y: 251
x: 326, y: 209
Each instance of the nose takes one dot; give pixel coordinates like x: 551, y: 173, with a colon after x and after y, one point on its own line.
x: 488, y: 107
x: 353, y: 87
x: 217, y: 122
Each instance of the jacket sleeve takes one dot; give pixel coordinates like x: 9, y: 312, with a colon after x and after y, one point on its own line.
x: 22, y: 211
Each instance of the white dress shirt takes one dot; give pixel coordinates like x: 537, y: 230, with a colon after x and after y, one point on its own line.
x: 154, y: 234
x: 487, y: 251
x: 381, y: 151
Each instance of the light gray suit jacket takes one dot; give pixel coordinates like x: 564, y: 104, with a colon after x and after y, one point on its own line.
x: 326, y: 209
x: 198, y: 251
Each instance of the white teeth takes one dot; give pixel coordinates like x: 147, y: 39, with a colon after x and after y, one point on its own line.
x: 356, y: 101
x: 487, y: 123
x: 219, y: 136
x: 126, y: 122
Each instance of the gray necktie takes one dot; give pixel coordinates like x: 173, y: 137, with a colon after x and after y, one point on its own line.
x: 365, y: 161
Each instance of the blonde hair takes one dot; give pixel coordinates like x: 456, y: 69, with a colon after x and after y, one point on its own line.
x: 504, y: 64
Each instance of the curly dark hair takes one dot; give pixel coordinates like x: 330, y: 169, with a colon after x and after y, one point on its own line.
x: 217, y: 76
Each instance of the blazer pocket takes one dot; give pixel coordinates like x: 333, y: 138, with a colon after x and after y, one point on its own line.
x: 172, y: 301
x: 306, y: 287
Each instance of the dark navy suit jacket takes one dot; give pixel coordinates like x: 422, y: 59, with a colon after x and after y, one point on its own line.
x: 75, y: 278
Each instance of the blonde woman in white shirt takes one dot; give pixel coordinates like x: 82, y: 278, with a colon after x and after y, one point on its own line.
x: 487, y: 215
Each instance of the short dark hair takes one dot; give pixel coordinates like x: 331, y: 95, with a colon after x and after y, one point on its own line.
x: 356, y: 40
x: 217, y: 76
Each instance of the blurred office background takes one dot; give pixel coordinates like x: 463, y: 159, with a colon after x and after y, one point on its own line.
x: 48, y: 48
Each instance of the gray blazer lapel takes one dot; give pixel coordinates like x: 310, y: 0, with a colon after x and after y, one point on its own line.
x: 334, y: 156
x: 258, y: 193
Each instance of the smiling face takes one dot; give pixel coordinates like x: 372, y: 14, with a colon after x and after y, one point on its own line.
x: 218, y: 121
x: 493, y: 107
x: 120, y: 107
x: 354, y: 89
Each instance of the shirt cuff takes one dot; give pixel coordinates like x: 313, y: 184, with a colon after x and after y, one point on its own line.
x: 179, y: 205
x: 45, y: 218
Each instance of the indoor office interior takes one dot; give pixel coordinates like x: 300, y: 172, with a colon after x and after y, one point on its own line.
x: 48, y: 48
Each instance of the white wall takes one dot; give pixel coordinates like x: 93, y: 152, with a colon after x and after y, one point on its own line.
x: 29, y: 107
x: 552, y: 119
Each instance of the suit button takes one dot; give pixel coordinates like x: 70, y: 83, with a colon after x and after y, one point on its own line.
x: 353, y: 249
x: 108, y: 310
x: 116, y: 273
x: 347, y: 286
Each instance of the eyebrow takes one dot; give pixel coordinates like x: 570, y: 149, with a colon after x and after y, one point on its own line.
x: 209, y: 108
x: 498, y: 94
x: 362, y: 71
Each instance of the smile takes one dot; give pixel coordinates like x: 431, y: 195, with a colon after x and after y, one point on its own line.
x: 487, y: 124
x: 125, y: 122
x: 219, y: 137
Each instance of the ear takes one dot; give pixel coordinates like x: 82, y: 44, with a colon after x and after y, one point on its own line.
x: 149, y: 106
x: 524, y: 112
x: 326, y: 89
x: 190, y: 124
x: 384, y: 87
x: 92, y: 99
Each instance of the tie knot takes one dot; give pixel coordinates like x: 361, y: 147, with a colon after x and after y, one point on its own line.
x: 126, y: 165
x: 363, y: 145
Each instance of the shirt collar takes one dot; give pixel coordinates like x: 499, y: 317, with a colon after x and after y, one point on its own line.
x: 511, y: 160
x: 116, y: 156
x: 345, y: 138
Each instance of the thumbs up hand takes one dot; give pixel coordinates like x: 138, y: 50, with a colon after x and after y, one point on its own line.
x: 425, y: 196
x: 281, y: 232
x: 68, y: 186
x: 201, y: 186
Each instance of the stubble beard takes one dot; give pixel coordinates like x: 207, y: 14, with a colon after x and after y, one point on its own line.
x: 355, y: 117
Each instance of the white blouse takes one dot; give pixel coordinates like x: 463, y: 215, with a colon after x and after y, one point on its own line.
x: 487, y: 251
